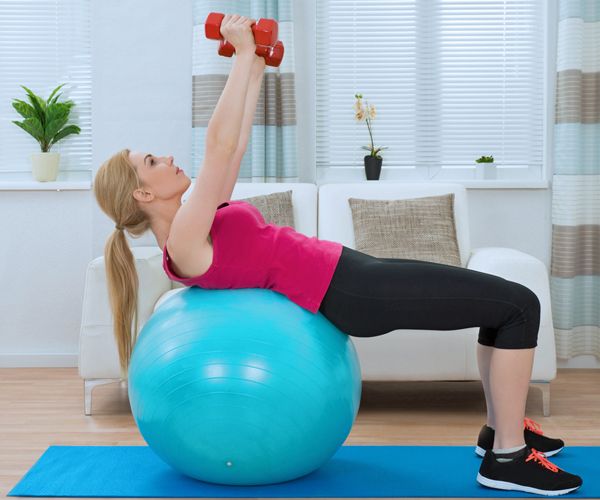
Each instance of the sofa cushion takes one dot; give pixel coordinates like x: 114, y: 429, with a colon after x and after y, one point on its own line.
x: 417, y: 228
x: 276, y: 208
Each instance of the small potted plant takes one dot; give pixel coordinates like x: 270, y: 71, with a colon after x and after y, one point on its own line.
x: 487, y: 169
x: 373, y: 160
x: 46, y: 122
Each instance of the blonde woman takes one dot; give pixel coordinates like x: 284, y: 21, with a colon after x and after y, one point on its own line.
x: 214, y: 242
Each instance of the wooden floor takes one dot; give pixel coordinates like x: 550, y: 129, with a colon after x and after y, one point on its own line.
x: 40, y: 407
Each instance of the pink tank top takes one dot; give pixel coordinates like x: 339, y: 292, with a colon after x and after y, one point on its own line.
x: 248, y: 253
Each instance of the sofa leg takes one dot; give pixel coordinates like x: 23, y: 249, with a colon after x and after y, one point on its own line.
x: 88, y: 386
x: 545, y: 388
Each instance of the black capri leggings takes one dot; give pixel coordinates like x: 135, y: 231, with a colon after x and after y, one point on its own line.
x: 370, y: 296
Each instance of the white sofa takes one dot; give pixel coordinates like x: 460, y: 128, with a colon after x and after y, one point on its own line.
x: 323, y: 211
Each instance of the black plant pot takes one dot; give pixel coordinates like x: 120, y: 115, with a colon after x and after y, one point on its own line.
x: 373, y: 167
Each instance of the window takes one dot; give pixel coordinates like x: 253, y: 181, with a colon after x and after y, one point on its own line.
x: 451, y: 81
x: 43, y: 44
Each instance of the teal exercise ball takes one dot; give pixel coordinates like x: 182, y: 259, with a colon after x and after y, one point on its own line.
x: 242, y: 386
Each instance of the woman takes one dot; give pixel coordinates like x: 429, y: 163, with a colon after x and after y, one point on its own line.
x: 362, y: 295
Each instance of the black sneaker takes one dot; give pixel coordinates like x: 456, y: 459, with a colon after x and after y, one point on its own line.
x: 529, y: 471
x: 534, y: 438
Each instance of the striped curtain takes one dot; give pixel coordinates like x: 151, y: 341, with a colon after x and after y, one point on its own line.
x: 271, y: 152
x: 575, y: 264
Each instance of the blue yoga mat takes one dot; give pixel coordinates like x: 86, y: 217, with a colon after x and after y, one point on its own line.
x: 354, y: 471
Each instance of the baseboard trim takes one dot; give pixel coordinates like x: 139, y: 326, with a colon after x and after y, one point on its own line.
x: 42, y: 360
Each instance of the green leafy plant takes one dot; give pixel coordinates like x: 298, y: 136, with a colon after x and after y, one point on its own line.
x: 368, y: 114
x: 45, y: 121
x: 485, y: 159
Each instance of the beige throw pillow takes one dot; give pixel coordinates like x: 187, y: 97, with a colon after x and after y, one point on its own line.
x: 276, y: 208
x: 418, y: 228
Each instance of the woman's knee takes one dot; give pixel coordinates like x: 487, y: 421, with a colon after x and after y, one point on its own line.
x: 530, y: 307
x: 525, y: 298
x: 528, y: 300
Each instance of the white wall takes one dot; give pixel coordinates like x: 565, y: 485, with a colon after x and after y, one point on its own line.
x: 141, y: 100
x: 141, y: 53
x: 142, y: 85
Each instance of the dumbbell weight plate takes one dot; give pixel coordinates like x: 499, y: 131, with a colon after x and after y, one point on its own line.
x: 212, y: 26
x: 276, y: 55
x: 226, y: 49
x: 266, y: 32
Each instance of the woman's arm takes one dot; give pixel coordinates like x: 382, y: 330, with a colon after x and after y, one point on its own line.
x: 252, y: 94
x: 254, y: 86
x: 224, y: 125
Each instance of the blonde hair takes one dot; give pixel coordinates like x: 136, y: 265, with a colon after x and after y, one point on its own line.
x: 114, y: 184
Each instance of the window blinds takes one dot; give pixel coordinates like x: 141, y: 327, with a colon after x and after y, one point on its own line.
x: 43, y: 44
x: 451, y: 81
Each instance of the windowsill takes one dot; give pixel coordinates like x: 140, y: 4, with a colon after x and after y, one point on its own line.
x: 81, y: 180
x: 68, y: 180
x: 503, y: 184
x: 468, y: 184
x: 465, y: 176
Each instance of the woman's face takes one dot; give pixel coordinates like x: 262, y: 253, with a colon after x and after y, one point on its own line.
x: 159, y: 175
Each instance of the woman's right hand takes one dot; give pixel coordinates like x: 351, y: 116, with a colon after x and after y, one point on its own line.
x: 236, y: 30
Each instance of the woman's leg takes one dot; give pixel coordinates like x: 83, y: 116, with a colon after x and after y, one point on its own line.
x: 370, y: 296
x: 484, y: 358
x: 505, y: 361
x: 510, y: 375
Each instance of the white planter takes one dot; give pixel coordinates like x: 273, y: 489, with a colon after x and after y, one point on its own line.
x: 44, y: 166
x: 485, y: 171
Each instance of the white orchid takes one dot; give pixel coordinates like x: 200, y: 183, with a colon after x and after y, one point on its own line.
x: 368, y: 114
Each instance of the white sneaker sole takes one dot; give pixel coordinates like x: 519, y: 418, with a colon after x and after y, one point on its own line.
x: 504, y: 485
x: 481, y: 452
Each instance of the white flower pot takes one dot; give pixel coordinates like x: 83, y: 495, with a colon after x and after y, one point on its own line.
x: 44, y: 166
x: 485, y: 171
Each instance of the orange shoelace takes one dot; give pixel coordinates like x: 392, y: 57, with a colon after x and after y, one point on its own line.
x: 541, y: 458
x: 532, y: 425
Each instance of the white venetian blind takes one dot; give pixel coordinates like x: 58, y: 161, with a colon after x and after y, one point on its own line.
x: 451, y: 81
x: 44, y: 43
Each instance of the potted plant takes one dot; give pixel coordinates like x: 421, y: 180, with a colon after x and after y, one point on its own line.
x: 46, y: 122
x: 373, y: 160
x: 487, y: 169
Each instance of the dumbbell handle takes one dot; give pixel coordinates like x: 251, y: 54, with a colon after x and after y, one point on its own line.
x: 265, y: 31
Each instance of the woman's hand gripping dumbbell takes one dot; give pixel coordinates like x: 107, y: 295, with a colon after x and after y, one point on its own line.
x: 265, y: 33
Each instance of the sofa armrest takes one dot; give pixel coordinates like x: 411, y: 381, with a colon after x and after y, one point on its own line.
x: 520, y: 267
x: 98, y: 352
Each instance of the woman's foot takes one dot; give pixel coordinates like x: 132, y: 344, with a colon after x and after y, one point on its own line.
x: 525, y: 470
x: 534, y: 438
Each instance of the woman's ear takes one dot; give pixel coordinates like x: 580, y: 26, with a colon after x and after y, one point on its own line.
x: 142, y: 195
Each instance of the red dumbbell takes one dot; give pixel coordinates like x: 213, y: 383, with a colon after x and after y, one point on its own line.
x: 273, y: 55
x: 265, y: 33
